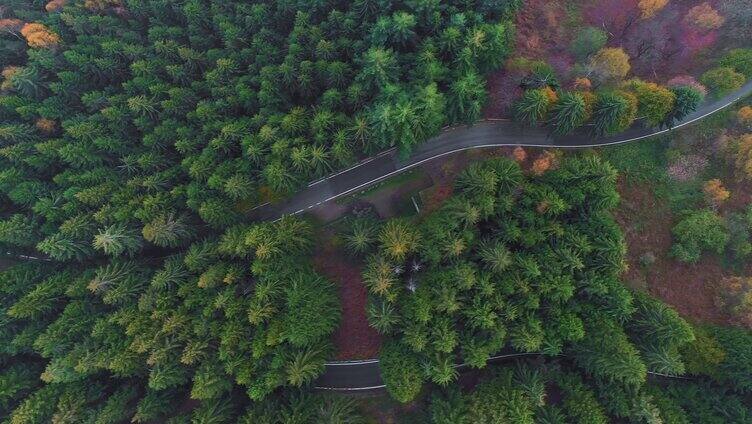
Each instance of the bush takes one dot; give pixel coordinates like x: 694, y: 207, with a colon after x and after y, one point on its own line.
x: 696, y: 232
x: 654, y: 102
x: 588, y: 41
x: 401, y: 371
x: 722, y: 80
x: 740, y: 60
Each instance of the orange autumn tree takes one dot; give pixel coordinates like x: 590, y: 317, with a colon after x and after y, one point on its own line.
x: 582, y: 83
x: 648, y: 8
x: 38, y: 36
x: 744, y: 116
x: 7, y: 74
x: 47, y: 126
x: 55, y: 5
x: 715, y: 192
x: 705, y: 17
x: 519, y: 154
x: 11, y: 25
x: 543, y: 163
x: 734, y: 295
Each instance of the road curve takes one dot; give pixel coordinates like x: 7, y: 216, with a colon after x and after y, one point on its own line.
x: 365, y: 375
x: 456, y: 139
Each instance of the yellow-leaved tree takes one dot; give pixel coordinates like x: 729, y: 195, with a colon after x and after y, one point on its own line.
x: 648, y: 8
x: 610, y: 63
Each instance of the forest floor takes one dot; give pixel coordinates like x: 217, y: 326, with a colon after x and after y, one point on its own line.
x: 689, y: 288
x: 354, y: 338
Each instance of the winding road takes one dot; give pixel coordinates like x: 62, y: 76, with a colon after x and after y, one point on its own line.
x: 366, y: 375
x: 455, y: 139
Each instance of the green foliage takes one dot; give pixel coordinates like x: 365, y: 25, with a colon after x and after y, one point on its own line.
x: 303, y: 408
x: 659, y: 333
x: 740, y: 60
x: 532, y: 107
x: 568, y: 113
x: 548, y: 249
x: 580, y: 403
x: 722, y: 80
x: 654, y: 103
x: 613, y: 112
x: 696, y: 232
x: 607, y: 353
x: 495, y: 399
x: 736, y: 368
x: 687, y: 101
x: 588, y: 41
x: 400, y: 370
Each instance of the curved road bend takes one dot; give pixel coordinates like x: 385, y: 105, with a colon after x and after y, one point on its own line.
x: 483, y: 134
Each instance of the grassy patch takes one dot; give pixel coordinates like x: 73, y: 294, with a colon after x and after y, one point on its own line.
x: 395, y: 181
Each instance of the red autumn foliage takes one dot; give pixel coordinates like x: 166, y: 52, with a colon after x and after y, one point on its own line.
x: 539, y: 27
x: 11, y: 25
x: 617, y: 17
x: 664, y: 44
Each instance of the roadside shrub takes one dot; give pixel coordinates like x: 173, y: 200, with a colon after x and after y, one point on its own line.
x: 699, y: 231
x: 614, y: 112
x: 722, y: 80
x: 654, y: 102
x: 569, y: 112
x: 533, y: 106
x: 688, y: 98
x: 401, y: 372
x: 740, y: 60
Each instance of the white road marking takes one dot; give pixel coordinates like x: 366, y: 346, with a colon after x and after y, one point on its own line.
x: 482, y: 146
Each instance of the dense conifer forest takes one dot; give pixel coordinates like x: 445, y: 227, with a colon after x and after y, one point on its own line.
x: 137, y: 135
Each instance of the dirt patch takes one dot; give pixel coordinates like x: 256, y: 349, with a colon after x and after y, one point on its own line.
x: 354, y: 339
x: 647, y: 224
x: 503, y: 89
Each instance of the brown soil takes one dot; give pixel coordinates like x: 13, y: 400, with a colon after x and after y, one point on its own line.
x: 647, y: 225
x: 354, y: 339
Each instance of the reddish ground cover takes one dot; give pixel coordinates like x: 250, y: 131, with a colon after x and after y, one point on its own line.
x: 354, y: 339
x: 647, y: 225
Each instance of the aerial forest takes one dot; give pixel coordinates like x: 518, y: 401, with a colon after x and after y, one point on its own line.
x: 138, y: 136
